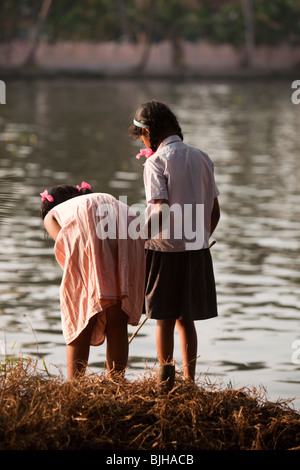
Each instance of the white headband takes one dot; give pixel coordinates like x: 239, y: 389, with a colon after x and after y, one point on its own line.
x: 139, y: 124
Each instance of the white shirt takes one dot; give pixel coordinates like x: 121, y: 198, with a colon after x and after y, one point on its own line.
x: 184, y: 176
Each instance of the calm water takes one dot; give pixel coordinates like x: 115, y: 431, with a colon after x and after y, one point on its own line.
x: 58, y: 131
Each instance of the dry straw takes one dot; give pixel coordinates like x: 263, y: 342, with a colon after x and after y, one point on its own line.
x: 94, y: 412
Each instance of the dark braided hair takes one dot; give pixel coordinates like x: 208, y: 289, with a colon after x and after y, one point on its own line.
x: 60, y: 194
x: 160, y: 121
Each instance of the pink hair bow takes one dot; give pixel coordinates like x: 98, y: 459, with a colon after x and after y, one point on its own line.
x: 146, y: 152
x: 83, y: 185
x: 47, y: 196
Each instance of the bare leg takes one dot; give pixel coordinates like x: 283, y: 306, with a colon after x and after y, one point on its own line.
x: 165, y: 340
x: 117, y: 339
x: 78, y: 351
x: 188, y: 343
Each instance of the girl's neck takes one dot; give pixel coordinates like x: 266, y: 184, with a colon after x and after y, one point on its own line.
x: 165, y: 136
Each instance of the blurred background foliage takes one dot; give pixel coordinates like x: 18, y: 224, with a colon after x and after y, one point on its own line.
x: 217, y: 21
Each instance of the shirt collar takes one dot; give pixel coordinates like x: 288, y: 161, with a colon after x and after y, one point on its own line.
x: 169, y: 140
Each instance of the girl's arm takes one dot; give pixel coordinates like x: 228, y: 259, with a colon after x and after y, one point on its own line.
x: 155, y: 213
x: 51, y: 225
x: 215, y: 215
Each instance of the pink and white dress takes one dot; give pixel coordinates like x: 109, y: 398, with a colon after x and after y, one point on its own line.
x: 99, y: 270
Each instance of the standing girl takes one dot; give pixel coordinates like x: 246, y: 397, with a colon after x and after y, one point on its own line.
x: 100, y: 291
x: 180, y: 285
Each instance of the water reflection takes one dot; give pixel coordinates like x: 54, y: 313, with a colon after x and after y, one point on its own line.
x: 59, y: 131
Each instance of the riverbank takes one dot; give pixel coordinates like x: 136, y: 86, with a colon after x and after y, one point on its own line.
x: 37, y: 73
x: 128, y: 60
x: 38, y: 412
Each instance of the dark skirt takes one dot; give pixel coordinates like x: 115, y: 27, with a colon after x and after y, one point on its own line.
x: 180, y: 285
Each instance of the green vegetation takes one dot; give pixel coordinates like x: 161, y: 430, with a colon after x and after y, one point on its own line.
x: 217, y: 21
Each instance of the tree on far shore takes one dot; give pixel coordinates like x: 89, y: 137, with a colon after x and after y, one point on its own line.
x: 39, y: 27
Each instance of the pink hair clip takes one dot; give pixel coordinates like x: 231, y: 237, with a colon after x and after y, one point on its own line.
x: 47, y: 196
x: 83, y: 185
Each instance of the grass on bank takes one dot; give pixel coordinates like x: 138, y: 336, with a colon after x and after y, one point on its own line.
x: 39, y: 411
